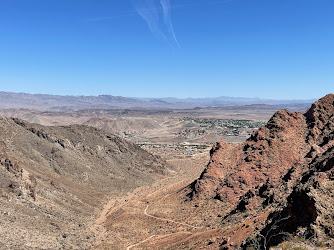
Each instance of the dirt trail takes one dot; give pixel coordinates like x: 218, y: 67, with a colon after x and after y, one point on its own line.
x: 139, y: 198
x: 163, y: 219
x: 98, y: 228
x: 139, y: 243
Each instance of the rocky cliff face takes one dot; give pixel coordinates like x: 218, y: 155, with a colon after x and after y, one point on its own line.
x: 286, y: 168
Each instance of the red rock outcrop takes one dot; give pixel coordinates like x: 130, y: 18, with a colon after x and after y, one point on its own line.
x: 263, y: 160
x: 278, y: 166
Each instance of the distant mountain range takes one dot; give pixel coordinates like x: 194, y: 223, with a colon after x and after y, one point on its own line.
x: 9, y: 100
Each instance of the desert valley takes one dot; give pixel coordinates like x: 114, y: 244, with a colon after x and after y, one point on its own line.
x: 249, y: 176
x: 166, y: 124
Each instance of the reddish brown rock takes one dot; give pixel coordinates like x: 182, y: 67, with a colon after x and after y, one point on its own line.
x: 285, y: 167
x: 263, y: 160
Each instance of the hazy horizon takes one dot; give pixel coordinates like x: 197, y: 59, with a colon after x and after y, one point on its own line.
x: 164, y: 97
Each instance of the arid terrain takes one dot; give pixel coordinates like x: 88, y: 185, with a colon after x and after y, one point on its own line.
x: 166, y: 125
x: 55, y: 179
x: 248, y: 177
x: 283, y: 199
x: 162, y: 132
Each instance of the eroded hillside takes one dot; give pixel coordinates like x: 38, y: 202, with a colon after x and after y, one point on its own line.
x: 54, y: 181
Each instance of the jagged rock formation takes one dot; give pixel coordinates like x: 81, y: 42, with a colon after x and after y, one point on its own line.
x: 53, y: 180
x: 285, y: 169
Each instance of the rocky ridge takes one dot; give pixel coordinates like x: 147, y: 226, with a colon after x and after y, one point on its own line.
x: 283, y: 171
x: 54, y: 181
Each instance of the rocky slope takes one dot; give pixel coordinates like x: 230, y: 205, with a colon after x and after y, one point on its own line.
x: 54, y: 180
x: 283, y: 172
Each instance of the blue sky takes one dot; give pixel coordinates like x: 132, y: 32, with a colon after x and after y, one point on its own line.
x: 281, y: 49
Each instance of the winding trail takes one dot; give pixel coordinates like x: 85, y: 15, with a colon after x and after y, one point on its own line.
x: 137, y: 244
x: 163, y: 219
x: 137, y: 202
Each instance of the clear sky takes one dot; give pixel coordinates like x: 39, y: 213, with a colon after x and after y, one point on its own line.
x: 282, y: 49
